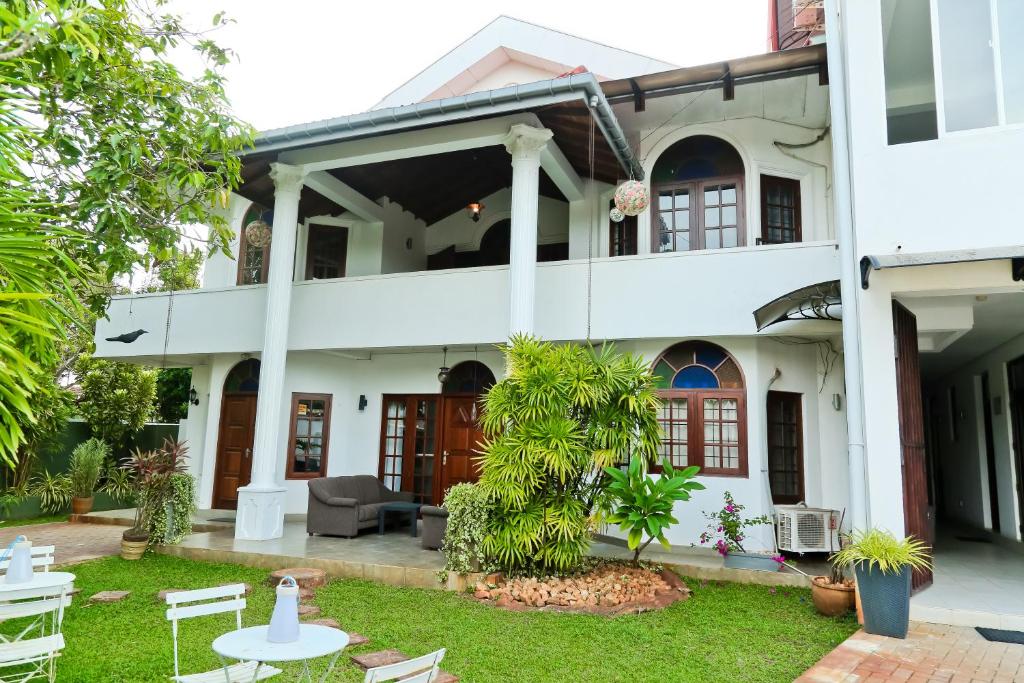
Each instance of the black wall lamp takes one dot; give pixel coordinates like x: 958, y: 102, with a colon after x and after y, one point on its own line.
x: 193, y: 396
x: 362, y: 401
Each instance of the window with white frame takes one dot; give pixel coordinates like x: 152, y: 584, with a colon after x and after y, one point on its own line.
x: 952, y: 66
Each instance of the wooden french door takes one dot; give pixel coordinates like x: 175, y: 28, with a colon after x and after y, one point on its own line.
x: 918, y: 508
x: 785, y: 447
x: 234, y: 448
x: 462, y: 436
x: 428, y: 443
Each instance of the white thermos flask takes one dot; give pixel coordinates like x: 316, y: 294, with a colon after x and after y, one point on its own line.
x: 20, y: 569
x: 284, y: 622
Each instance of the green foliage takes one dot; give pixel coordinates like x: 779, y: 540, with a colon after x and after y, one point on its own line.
x: 563, y: 413
x: 54, y: 491
x: 642, y: 504
x: 725, y: 526
x: 12, y: 497
x: 52, y: 407
x: 117, y: 398
x: 180, y: 272
x: 880, y: 549
x: 118, y: 483
x: 168, y: 509
x: 468, y: 514
x: 172, y: 385
x: 107, y: 151
x: 86, y: 466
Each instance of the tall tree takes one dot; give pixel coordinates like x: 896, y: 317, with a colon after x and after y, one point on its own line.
x: 106, y: 150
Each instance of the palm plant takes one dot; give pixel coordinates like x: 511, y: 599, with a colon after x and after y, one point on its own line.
x: 563, y: 413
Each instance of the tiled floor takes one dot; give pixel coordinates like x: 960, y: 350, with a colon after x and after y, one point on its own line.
x: 976, y: 584
x: 930, y: 653
x: 74, y: 542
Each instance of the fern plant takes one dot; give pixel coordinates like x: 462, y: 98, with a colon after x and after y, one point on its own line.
x: 563, y: 413
x: 880, y: 549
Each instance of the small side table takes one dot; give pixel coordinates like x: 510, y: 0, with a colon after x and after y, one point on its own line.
x: 411, y: 509
x: 251, y: 644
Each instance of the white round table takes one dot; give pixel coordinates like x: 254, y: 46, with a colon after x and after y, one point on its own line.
x: 39, y: 580
x: 251, y: 644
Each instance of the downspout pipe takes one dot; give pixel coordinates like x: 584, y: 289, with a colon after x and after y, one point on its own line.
x: 849, y: 283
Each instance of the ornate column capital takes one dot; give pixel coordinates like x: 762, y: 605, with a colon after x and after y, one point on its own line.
x: 526, y: 142
x: 287, y: 178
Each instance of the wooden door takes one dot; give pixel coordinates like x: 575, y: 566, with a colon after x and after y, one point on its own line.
x: 461, y: 436
x: 1016, y: 407
x: 234, y: 449
x: 918, y: 510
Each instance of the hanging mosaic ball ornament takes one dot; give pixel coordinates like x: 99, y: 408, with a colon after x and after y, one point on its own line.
x: 616, y: 215
x: 258, y: 233
x: 632, y: 198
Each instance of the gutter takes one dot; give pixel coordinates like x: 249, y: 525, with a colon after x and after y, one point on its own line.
x: 583, y: 87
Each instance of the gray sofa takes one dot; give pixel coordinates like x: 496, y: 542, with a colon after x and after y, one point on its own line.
x: 435, y: 522
x: 341, y: 506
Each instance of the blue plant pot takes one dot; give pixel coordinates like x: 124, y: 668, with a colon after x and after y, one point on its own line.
x: 885, y: 601
x: 761, y: 563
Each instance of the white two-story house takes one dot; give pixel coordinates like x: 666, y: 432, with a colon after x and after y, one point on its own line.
x: 357, y: 334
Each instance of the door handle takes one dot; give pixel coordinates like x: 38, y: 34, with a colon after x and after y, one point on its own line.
x: 444, y: 458
x: 248, y: 453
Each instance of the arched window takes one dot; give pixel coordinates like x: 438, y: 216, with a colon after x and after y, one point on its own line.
x: 697, y: 185
x: 244, y: 378
x: 253, y: 261
x: 468, y: 377
x: 703, y: 412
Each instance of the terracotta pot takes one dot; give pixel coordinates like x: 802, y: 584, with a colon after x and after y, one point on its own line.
x: 133, y: 550
x: 831, y: 600
x: 81, y: 506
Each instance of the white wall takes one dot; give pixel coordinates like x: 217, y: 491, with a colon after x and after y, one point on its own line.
x: 902, y: 193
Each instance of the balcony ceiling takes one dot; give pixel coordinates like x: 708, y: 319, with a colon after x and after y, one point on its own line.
x: 435, y: 186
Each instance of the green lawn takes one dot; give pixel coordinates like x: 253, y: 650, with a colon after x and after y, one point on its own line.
x: 45, y: 519
x: 726, y: 632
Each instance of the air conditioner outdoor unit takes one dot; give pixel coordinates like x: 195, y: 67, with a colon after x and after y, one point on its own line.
x: 800, y: 529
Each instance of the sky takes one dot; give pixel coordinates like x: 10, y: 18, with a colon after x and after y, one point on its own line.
x: 305, y: 60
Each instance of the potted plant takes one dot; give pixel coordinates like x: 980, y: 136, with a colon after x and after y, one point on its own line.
x: 883, y: 565
x: 725, y: 533
x: 833, y: 595
x: 152, y: 473
x: 84, y: 472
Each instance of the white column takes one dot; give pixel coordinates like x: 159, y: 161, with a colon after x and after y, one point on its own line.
x: 261, y: 503
x: 524, y: 143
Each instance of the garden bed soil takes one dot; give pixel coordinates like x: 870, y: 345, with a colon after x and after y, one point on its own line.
x: 609, y: 589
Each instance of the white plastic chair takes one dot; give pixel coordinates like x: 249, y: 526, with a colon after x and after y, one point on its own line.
x: 214, y: 601
x: 420, y: 670
x: 34, y: 657
x: 42, y: 556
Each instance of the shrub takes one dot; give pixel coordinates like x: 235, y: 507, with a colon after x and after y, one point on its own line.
x: 727, y: 525
x: 54, y: 491
x: 169, y: 509
x: 152, y: 473
x: 563, y: 413
x: 642, y: 505
x: 119, y: 484
x: 117, y: 398
x: 468, y: 514
x: 86, y: 466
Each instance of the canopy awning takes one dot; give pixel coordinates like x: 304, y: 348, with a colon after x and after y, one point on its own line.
x: 813, y: 302
x: 933, y: 258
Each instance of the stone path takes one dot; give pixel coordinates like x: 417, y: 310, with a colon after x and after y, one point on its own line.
x: 931, y: 653
x: 75, y: 542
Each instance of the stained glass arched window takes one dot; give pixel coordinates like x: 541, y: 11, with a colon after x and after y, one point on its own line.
x: 703, y: 410
x: 253, y: 261
x: 244, y: 378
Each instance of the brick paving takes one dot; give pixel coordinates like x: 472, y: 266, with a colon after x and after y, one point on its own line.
x: 931, y: 653
x: 74, y: 542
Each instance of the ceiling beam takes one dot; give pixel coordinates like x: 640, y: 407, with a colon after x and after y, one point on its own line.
x: 416, y: 143
x: 344, y: 195
x: 561, y: 172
